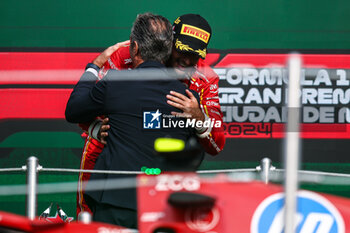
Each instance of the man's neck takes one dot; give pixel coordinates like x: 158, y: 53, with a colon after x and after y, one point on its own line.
x: 137, y: 61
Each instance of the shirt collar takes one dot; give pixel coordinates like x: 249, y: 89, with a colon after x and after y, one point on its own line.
x: 150, y: 64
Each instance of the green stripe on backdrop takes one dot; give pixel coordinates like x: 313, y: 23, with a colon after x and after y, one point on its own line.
x: 48, y: 157
x: 312, y: 24
x: 43, y: 140
x: 53, y: 149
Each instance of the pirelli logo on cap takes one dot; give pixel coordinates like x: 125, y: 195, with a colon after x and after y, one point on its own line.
x: 195, y: 32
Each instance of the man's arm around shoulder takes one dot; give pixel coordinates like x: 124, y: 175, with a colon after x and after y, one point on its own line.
x: 87, y: 99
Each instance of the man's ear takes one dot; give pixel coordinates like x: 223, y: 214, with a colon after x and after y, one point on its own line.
x: 135, y: 48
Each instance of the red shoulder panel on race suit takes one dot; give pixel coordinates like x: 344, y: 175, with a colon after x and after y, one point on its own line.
x: 206, y: 83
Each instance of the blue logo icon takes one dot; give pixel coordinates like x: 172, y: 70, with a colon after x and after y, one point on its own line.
x: 314, y: 214
x: 151, y: 120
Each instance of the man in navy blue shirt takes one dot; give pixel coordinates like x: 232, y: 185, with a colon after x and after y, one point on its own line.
x: 135, y: 110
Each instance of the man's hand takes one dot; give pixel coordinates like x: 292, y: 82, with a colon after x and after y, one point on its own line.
x: 105, y: 55
x: 103, y: 134
x: 189, y: 105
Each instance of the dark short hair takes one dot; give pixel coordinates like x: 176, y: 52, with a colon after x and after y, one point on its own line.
x: 154, y: 36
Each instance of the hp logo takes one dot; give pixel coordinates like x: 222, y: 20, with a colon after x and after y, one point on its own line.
x: 315, y: 214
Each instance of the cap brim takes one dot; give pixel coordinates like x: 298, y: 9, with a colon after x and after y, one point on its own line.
x: 183, y: 44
